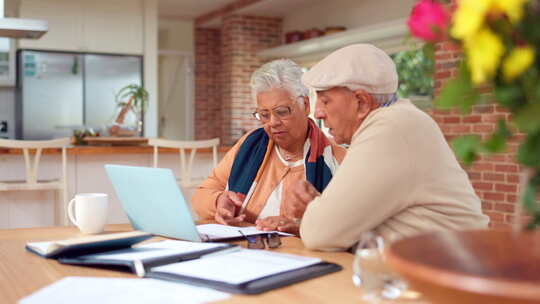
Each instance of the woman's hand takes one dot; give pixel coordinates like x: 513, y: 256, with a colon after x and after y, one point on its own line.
x: 228, y: 204
x: 278, y: 223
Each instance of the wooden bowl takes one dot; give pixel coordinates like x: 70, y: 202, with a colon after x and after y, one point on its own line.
x: 482, y: 266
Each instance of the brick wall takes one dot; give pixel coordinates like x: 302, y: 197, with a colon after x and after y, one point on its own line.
x: 241, y: 38
x: 224, y: 61
x: 495, y: 178
x: 207, y: 83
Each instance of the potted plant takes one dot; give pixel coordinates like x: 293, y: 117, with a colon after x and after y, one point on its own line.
x: 501, y: 52
x: 131, y: 100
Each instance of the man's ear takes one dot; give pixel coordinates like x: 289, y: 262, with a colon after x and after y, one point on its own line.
x: 307, y: 108
x: 366, y: 103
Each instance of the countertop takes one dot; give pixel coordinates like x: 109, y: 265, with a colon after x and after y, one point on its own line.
x: 96, y: 150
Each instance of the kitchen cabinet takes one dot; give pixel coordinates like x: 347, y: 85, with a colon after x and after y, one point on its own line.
x: 116, y: 26
x: 7, y: 62
x: 388, y: 36
x: 113, y: 26
x: 65, y: 24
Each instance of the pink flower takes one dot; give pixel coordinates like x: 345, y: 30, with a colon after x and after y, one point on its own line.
x: 429, y: 21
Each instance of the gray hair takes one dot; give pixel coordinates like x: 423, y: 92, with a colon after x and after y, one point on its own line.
x: 383, y: 98
x: 281, y: 73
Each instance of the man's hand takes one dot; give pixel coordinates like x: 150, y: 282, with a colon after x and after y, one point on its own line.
x: 278, y: 223
x: 227, y: 205
x: 303, y: 193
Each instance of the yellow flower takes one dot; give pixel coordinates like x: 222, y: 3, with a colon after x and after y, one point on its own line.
x: 512, y: 8
x: 469, y: 17
x: 517, y: 62
x: 484, y: 51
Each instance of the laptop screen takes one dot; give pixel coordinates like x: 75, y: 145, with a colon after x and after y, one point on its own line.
x: 153, y: 201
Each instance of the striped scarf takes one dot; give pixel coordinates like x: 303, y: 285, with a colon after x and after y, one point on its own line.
x: 254, y: 154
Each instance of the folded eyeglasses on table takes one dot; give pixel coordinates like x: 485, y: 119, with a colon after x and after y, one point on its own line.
x: 261, y: 241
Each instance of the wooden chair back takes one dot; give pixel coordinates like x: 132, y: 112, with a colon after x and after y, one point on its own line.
x: 185, y: 165
x: 31, y: 162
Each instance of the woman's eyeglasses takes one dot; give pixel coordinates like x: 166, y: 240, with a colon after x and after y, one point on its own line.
x: 261, y: 241
x: 282, y: 112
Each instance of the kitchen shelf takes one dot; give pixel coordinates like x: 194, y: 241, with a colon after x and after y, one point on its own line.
x: 388, y: 36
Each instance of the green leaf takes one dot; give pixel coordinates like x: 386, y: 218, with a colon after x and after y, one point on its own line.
x: 135, y: 92
x: 497, y: 141
x: 529, y: 197
x: 510, y: 97
x: 467, y: 148
x: 528, y: 119
x: 530, y: 203
x: 535, y: 221
x: 458, y: 92
x: 415, y: 73
x: 529, y: 151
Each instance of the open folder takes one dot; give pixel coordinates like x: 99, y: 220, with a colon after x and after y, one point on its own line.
x: 220, y: 266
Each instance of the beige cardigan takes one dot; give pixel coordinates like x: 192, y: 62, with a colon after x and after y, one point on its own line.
x: 399, y: 178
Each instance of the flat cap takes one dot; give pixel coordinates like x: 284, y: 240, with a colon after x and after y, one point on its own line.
x: 357, y: 66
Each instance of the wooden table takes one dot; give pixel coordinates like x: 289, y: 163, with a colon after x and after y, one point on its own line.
x: 22, y: 273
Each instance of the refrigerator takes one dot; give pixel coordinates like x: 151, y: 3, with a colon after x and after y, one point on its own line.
x: 58, y: 92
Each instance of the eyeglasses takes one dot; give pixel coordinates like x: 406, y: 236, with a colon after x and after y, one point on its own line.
x: 282, y: 112
x: 261, y: 241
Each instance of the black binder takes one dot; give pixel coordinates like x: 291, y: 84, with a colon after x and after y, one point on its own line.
x: 87, y: 245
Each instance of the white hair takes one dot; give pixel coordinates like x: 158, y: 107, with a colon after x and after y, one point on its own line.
x: 281, y: 73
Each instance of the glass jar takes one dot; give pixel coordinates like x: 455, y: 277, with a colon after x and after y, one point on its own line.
x: 372, y: 273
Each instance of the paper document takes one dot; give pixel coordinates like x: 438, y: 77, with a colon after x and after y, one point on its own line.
x: 216, y: 231
x: 238, y: 267
x: 41, y: 246
x: 154, y: 250
x: 113, y: 291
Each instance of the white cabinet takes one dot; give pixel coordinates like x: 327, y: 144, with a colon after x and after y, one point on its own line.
x: 7, y: 62
x: 114, y: 26
x: 103, y: 26
x: 65, y: 24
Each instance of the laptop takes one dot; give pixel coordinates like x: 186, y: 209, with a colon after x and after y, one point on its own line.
x: 153, y: 201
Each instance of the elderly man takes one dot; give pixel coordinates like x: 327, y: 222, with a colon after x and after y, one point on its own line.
x: 253, y: 183
x: 399, y: 176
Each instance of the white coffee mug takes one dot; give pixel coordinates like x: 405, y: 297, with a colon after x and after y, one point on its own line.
x: 88, y: 211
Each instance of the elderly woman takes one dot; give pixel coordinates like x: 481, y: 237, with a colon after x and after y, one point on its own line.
x: 254, y: 180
